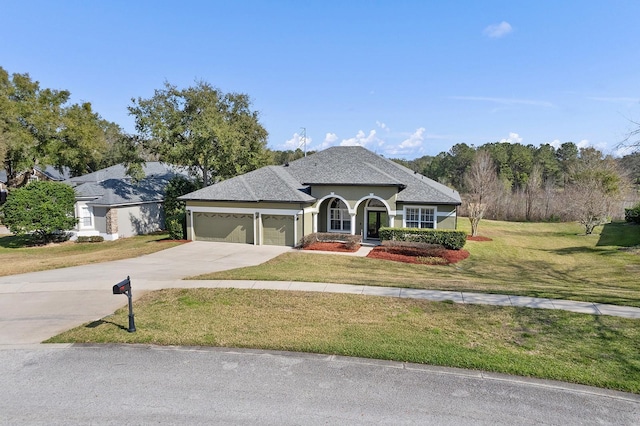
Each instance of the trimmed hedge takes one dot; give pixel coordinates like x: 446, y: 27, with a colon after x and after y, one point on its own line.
x: 350, y: 241
x: 91, y: 239
x: 632, y: 215
x: 449, y: 239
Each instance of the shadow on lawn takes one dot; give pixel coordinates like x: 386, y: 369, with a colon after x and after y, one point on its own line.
x: 14, y: 242
x: 98, y: 323
x: 619, y: 234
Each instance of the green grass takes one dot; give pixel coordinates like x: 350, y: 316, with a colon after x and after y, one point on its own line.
x: 551, y: 260
x: 592, y: 350
x: 16, y: 256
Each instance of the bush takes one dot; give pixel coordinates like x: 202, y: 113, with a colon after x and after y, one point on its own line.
x: 449, y: 239
x: 350, y: 241
x: 176, y: 226
x: 90, y: 239
x: 632, y: 215
x: 42, y: 210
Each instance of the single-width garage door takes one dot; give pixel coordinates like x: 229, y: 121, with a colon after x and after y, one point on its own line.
x: 223, y: 227
x: 277, y: 230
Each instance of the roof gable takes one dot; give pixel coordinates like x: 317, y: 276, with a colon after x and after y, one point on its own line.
x: 355, y: 166
x: 111, y: 186
x: 270, y: 183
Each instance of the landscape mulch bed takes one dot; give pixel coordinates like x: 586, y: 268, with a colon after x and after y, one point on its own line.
x: 337, y: 246
x: 478, y: 238
x: 416, y: 255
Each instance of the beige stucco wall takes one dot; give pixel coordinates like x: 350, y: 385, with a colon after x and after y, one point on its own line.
x: 354, y: 193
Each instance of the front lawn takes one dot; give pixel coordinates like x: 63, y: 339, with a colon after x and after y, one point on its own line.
x: 17, y: 257
x: 551, y: 260
x: 592, y: 350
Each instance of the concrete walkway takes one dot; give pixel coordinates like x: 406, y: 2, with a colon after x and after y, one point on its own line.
x: 434, y: 295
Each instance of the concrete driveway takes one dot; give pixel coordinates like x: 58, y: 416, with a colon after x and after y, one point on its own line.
x: 38, y: 305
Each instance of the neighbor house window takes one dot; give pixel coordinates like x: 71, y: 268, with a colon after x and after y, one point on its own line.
x: 419, y: 217
x: 339, y: 218
x: 85, y: 217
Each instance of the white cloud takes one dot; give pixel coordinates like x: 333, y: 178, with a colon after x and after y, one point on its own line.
x: 361, y: 139
x: 297, y: 142
x: 414, y: 140
x: 498, y: 30
x: 513, y: 138
x: 583, y: 143
x: 555, y: 143
x: 382, y: 125
x: 329, y: 140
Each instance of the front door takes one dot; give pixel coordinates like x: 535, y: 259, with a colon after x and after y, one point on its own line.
x: 375, y: 220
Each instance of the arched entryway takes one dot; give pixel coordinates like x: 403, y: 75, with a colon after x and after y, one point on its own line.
x: 377, y: 216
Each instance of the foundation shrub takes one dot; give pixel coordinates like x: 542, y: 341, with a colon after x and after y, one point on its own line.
x: 350, y: 241
x: 449, y: 239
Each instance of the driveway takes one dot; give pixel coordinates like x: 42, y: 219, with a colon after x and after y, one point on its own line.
x: 38, y: 305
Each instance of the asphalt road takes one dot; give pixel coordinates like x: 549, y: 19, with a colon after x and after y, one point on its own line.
x: 144, y: 385
x: 61, y: 384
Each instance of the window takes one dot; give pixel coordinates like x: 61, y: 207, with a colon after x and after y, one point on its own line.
x: 419, y: 217
x: 85, y: 217
x: 339, y: 218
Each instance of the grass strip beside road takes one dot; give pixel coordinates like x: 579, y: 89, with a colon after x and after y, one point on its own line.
x: 16, y: 257
x: 592, y: 350
x: 548, y: 260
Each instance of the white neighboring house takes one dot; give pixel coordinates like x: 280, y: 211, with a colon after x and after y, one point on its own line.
x: 112, y: 205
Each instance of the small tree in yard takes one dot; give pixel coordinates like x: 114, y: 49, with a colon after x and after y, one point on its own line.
x: 174, y: 209
x: 41, y: 209
x: 482, y: 181
x: 595, y: 186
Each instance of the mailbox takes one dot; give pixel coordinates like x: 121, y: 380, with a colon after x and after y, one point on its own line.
x: 124, y: 287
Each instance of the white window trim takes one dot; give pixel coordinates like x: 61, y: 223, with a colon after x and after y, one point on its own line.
x: 435, y: 215
x: 81, y: 216
x: 345, y: 215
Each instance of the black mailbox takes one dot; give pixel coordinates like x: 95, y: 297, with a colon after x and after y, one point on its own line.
x: 122, y: 287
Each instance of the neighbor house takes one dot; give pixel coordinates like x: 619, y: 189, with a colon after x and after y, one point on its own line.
x: 111, y: 204
x: 341, y: 189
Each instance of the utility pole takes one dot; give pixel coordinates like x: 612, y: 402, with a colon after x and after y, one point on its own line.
x: 303, y: 139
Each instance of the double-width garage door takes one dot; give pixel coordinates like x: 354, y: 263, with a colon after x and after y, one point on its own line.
x: 277, y: 230
x: 222, y: 227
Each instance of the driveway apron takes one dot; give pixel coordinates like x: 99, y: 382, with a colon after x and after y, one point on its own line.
x: 38, y: 305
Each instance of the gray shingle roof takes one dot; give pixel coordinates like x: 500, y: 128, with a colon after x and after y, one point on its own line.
x: 270, y: 183
x: 112, y: 186
x: 352, y: 165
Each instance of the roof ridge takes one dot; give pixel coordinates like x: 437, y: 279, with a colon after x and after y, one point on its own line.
x: 383, y: 172
x: 247, y: 187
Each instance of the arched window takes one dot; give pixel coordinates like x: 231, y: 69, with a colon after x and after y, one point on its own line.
x: 339, y: 218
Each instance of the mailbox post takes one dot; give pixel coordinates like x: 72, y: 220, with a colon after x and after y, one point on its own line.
x: 124, y: 287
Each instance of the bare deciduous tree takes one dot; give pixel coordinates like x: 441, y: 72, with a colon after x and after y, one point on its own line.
x: 482, y: 182
x: 595, y: 187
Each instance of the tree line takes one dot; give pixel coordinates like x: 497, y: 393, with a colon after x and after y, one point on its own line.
x: 213, y: 134
x: 511, y: 181
x: 217, y: 135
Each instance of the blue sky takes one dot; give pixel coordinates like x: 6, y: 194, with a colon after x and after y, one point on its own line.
x: 402, y: 78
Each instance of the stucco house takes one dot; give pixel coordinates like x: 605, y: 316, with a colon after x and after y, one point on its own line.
x: 111, y: 204
x: 340, y: 189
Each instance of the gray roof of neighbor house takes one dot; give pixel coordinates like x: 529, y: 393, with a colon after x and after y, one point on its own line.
x: 112, y: 186
x: 54, y: 174
x: 348, y: 166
